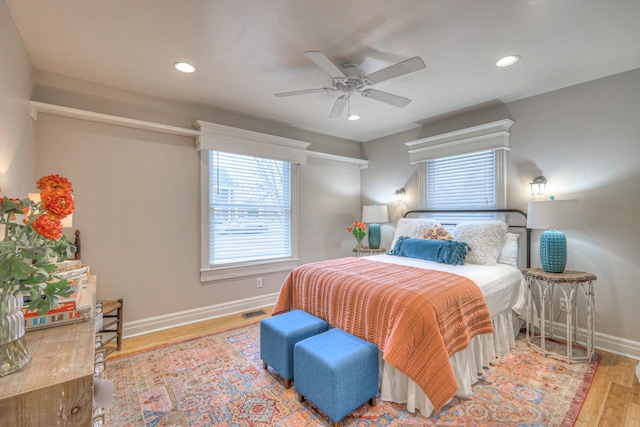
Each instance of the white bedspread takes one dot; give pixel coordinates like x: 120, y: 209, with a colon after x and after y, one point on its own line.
x: 503, y: 288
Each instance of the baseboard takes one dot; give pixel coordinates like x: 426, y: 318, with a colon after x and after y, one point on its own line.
x: 171, y: 320
x: 604, y: 342
x: 608, y: 343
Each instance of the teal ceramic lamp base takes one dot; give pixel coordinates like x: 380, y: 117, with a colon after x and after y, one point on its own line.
x: 374, y: 236
x: 553, y: 251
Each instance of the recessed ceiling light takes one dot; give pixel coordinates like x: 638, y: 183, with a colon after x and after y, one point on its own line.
x: 184, y: 67
x: 507, y: 60
x: 353, y: 117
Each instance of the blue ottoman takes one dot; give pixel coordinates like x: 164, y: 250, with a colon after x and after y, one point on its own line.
x: 278, y: 335
x: 337, y: 372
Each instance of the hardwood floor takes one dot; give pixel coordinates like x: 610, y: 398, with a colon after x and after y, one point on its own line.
x: 613, y: 400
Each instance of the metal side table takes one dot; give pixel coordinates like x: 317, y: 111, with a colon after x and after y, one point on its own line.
x: 569, y: 284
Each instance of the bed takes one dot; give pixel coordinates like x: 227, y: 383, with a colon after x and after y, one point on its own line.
x: 437, y: 324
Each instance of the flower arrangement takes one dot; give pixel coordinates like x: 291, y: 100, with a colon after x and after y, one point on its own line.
x: 32, y: 242
x: 359, y: 230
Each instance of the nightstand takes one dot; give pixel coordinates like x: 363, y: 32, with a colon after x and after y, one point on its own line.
x: 366, y: 250
x: 568, y: 285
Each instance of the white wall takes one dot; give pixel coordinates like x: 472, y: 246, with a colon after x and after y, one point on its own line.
x: 586, y: 140
x: 17, y: 137
x: 137, y: 199
x: 61, y: 90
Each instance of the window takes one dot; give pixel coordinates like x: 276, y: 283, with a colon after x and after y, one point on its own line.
x: 466, y: 181
x: 463, y: 169
x: 250, y: 209
x: 248, y: 205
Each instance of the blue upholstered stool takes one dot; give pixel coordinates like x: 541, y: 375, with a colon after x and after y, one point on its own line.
x: 337, y: 372
x: 278, y: 335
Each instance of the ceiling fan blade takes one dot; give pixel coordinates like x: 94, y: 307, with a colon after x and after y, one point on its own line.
x: 396, y: 70
x: 304, y: 92
x: 323, y: 62
x: 338, y: 107
x: 385, y: 97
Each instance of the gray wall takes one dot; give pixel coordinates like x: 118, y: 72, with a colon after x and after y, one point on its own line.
x: 137, y: 199
x: 586, y: 140
x: 17, y: 136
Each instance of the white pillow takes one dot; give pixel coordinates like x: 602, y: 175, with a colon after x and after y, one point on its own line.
x: 509, y: 253
x: 412, y: 227
x: 485, y: 239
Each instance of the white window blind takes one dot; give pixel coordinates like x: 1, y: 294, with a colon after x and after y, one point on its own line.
x: 250, y: 212
x: 467, y: 181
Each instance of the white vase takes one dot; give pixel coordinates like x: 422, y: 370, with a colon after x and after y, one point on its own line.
x: 14, y: 354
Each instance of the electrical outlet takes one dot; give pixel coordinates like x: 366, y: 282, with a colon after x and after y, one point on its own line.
x: 259, y: 282
x: 563, y: 304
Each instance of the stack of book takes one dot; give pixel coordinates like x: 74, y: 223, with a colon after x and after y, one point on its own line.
x: 75, y: 308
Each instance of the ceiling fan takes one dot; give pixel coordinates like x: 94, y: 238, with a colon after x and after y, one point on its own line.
x: 349, y: 80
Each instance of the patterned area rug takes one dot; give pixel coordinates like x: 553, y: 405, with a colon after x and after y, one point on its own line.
x: 218, y: 380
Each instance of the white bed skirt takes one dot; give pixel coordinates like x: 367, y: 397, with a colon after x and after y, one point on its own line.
x: 468, y: 365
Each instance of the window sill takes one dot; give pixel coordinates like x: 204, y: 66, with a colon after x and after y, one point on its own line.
x: 208, y: 275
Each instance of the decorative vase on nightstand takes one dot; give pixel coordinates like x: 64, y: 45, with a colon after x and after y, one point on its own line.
x: 553, y: 251
x: 14, y: 354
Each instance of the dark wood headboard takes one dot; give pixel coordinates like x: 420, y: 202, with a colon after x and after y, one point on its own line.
x: 517, y: 212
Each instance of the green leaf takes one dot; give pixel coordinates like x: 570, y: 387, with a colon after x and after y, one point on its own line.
x: 8, y: 245
x: 43, y: 300
x: 12, y: 267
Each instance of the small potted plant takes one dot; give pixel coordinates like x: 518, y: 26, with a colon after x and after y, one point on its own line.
x: 359, y: 230
x: 32, y: 243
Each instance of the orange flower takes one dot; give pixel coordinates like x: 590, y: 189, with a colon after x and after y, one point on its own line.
x: 57, y: 202
x: 48, y: 227
x: 54, y: 181
x: 358, y: 230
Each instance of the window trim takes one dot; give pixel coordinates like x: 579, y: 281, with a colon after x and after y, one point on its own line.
x: 240, y: 141
x: 494, y: 135
x: 488, y: 136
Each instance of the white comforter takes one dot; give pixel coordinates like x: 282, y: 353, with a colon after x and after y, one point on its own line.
x: 503, y: 288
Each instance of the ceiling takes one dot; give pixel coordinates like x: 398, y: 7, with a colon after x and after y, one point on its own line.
x: 245, y: 51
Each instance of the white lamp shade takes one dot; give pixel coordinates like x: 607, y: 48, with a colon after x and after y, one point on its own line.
x: 558, y: 214
x: 375, y: 214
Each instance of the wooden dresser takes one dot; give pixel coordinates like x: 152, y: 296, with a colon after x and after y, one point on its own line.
x: 56, y: 388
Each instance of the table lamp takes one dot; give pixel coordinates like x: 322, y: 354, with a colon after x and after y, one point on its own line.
x: 373, y: 215
x: 550, y: 216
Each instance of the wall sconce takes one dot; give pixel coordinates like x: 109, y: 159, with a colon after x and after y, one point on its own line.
x: 399, y: 194
x: 538, y: 185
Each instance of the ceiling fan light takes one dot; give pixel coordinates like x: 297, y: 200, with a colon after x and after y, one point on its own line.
x: 349, y: 115
x: 507, y: 60
x: 184, y: 67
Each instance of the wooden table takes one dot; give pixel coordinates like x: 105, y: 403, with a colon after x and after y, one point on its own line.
x: 366, y: 250
x: 56, y: 388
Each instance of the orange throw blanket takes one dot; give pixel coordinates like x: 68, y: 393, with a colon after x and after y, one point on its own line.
x: 417, y: 317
